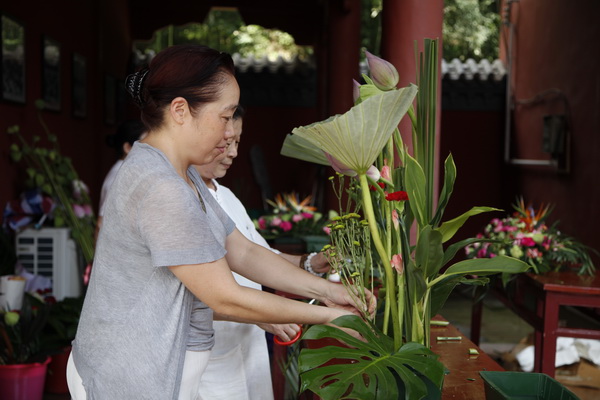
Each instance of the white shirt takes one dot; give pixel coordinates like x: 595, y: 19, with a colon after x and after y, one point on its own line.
x: 239, y: 367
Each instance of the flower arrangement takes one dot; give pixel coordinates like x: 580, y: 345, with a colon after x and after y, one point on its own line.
x: 290, y: 216
x: 391, y: 192
x: 526, y: 235
x: 49, y: 172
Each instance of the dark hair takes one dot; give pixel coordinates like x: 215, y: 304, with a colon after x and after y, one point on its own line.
x: 239, y: 112
x: 127, y: 132
x: 194, y: 72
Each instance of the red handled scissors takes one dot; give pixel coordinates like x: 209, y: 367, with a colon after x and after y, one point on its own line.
x: 277, y: 340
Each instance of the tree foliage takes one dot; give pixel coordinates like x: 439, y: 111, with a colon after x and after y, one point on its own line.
x: 471, y: 29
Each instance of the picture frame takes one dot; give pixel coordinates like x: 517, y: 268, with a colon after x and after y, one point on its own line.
x: 12, y: 54
x: 79, y: 86
x: 51, y: 69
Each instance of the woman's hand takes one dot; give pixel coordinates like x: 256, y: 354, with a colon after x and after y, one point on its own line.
x: 285, y: 332
x: 338, y: 297
x: 319, y: 263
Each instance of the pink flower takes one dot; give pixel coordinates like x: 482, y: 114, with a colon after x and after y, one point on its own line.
x: 286, y: 226
x: 386, y: 172
x: 307, y: 215
x: 87, y: 209
x: 327, y: 230
x: 395, y: 218
x: 297, y: 218
x: 384, y: 74
x: 276, y: 221
x: 78, y: 210
x: 373, y: 173
x: 527, y: 241
x: 396, y: 262
x: 262, y: 224
x: 340, y: 167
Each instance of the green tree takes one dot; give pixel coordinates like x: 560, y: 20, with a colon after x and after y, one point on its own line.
x: 471, y: 29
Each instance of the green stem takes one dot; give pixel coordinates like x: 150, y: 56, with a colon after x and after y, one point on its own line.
x: 390, y: 286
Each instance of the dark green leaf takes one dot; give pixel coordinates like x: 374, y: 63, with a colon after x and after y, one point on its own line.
x: 429, y: 251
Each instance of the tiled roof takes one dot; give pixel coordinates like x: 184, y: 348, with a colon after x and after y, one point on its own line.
x: 470, y: 69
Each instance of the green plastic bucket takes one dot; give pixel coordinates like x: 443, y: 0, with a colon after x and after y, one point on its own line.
x: 510, y: 385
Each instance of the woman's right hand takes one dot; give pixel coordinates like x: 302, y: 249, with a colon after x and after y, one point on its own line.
x: 338, y: 297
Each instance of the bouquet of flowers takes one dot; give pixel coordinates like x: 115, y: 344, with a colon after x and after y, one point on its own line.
x: 525, y: 235
x: 290, y: 217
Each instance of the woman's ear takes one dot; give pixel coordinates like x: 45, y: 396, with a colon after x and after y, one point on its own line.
x: 178, y: 109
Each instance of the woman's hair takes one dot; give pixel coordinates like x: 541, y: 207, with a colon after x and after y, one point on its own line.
x: 194, y: 72
x: 128, y: 131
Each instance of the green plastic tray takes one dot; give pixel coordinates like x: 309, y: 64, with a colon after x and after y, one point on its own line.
x: 510, y: 385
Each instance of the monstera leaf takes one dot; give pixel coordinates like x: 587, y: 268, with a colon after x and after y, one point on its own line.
x: 369, y: 369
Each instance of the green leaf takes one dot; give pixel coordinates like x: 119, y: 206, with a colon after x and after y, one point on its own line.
x: 415, y: 188
x: 455, y: 247
x: 487, y: 266
x: 449, y: 228
x: 429, y: 251
x: 357, y: 137
x: 365, y: 369
x: 449, y: 178
x: 296, y: 147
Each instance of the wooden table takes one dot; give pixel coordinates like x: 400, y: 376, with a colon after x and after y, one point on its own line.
x: 537, y: 300
x: 463, y: 380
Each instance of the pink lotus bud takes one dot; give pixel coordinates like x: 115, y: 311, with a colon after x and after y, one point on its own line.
x: 384, y: 74
x: 396, y: 262
x: 373, y: 173
x: 339, y: 167
x: 355, y: 90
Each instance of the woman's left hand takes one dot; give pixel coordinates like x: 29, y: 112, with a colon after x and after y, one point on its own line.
x: 339, y: 297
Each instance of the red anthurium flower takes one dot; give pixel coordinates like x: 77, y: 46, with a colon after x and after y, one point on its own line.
x: 397, y: 196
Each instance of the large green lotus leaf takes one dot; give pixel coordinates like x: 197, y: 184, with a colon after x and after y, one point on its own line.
x: 296, y: 147
x: 366, y: 369
x: 357, y: 137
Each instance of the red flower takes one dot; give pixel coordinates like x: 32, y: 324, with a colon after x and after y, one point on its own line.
x: 397, y: 196
x: 380, y: 184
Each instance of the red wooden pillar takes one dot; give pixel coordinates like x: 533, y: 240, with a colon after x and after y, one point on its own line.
x: 403, y: 23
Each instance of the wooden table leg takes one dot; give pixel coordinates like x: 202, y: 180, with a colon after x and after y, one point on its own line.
x: 476, y: 315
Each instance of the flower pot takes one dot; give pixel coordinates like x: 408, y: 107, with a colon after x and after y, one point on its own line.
x: 56, y: 376
x: 23, y: 381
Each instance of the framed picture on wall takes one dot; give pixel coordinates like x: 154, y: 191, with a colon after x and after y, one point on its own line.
x: 12, y: 38
x: 79, y: 87
x: 51, y: 74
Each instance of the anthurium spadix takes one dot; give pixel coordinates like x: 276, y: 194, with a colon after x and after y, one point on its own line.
x: 356, y: 138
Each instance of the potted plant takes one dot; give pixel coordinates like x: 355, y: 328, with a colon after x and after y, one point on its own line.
x: 393, y: 192
x: 59, y: 332
x: 23, y: 361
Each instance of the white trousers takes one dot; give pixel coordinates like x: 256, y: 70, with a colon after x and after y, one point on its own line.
x: 193, y: 367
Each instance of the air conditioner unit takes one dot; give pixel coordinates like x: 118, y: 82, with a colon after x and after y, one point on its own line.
x: 51, y: 252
